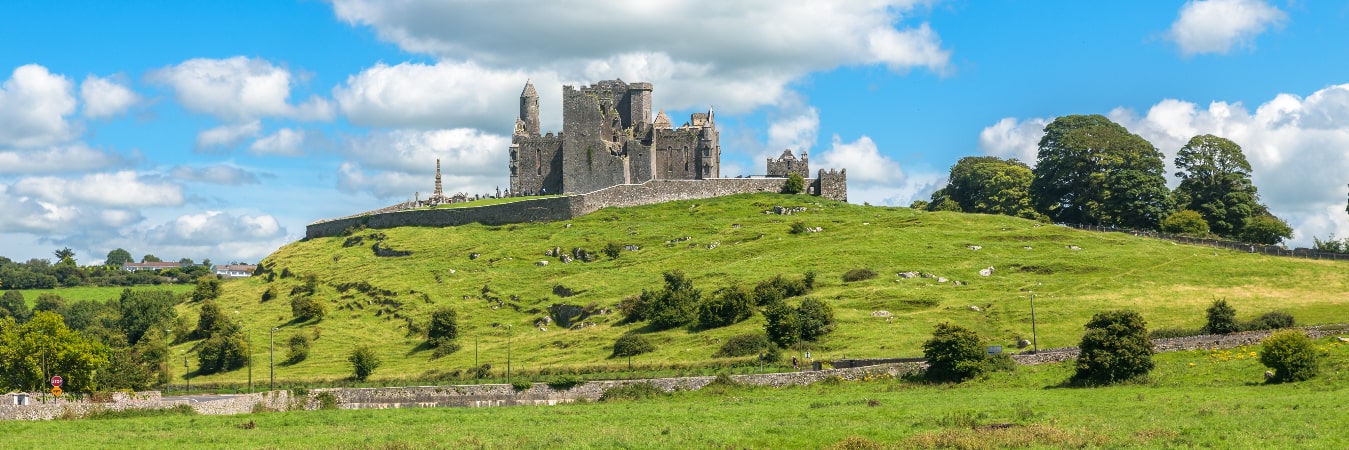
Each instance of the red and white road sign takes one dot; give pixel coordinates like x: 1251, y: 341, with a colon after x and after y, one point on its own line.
x: 56, y: 380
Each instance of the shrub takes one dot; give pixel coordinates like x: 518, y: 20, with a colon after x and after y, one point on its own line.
x: 483, y: 371
x: 675, y: 305
x: 630, y: 308
x: 223, y: 351
x: 207, y: 320
x: 767, y: 294
x: 634, y: 391
x: 1222, y: 318
x: 326, y: 400
x: 798, y: 227
x: 444, y: 325
x: 809, y: 280
x: 795, y: 184
x: 816, y: 319
x: 788, y: 287
x: 269, y: 294
x: 1272, y: 320
x: 999, y: 362
x: 443, y: 347
x: 1292, y: 356
x: 1185, y: 222
x: 953, y: 354
x: 564, y: 382
x: 782, y: 324
x: 732, y: 305
x: 363, y: 362
x: 858, y: 275
x: 306, y: 308
x: 743, y: 345
x: 297, y: 348
x: 208, y: 288
x: 521, y: 385
x: 1115, y: 348
x: 612, y: 250
x: 632, y: 345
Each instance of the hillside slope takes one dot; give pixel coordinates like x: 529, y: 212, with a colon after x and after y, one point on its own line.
x: 1073, y: 274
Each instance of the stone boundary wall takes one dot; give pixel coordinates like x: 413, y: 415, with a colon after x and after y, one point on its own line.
x: 553, y: 208
x: 63, y: 407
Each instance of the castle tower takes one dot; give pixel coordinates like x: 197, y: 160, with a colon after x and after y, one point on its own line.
x: 639, y: 104
x: 529, y: 109
x: 709, y: 151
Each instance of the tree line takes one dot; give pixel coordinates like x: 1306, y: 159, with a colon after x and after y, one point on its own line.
x: 40, y: 273
x: 1092, y: 171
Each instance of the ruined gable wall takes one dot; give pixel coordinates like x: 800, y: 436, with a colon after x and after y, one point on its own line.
x: 537, y: 164
x: 831, y: 184
x: 675, y: 154
x: 588, y: 163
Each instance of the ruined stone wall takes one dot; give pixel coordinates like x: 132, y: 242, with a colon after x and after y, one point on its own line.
x: 67, y: 407
x: 536, y: 164
x: 589, y: 161
x: 831, y: 184
x: 787, y: 164
x: 658, y: 191
x: 675, y: 154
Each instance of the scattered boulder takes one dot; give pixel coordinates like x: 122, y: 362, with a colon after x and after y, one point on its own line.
x: 473, y: 256
x: 975, y: 308
x: 735, y: 225
x: 713, y: 245
x: 632, y: 248
x: 567, y: 226
x: 958, y: 283
x: 783, y: 211
x: 973, y: 247
x: 1028, y: 248
x: 881, y: 313
x: 907, y: 275
x: 1022, y: 343
x: 1074, y: 247
x: 986, y: 272
x: 566, y: 259
x: 543, y: 322
x: 541, y: 263
x: 942, y: 279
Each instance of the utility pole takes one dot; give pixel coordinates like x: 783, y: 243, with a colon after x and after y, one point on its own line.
x: 475, y: 357
x: 508, y: 354
x: 1034, y: 341
x: 187, y: 373
x: 166, y: 358
x: 271, y: 359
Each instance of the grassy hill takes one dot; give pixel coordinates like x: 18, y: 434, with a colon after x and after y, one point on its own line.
x: 1072, y: 274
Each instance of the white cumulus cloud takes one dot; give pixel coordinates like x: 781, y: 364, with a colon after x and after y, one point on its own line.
x: 445, y: 94
x: 76, y: 157
x: 237, y: 89
x: 214, y: 174
x: 213, y: 228
x: 1012, y: 138
x: 228, y: 135
x: 105, y: 97
x: 1216, y: 26
x: 285, y: 142
x: 34, y: 104
x: 122, y: 189
x: 397, y: 164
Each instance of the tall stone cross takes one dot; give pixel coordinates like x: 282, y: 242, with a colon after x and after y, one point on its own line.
x: 438, y: 193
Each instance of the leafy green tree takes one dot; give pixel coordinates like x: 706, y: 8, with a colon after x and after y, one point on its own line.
x: 794, y: 185
x: 306, y: 308
x: 989, y: 185
x: 1292, y: 356
x: 675, y: 305
x: 15, y: 306
x: 150, y: 258
x: 444, y: 326
x: 65, y: 256
x: 632, y: 345
x: 297, y: 348
x: 816, y: 319
x: 919, y: 204
x: 23, y: 348
x: 1115, y: 348
x: 83, y: 314
x: 363, y: 362
x: 782, y: 324
x: 209, y: 320
x: 1185, y: 222
x: 186, y: 261
x: 49, y: 302
x: 118, y: 257
x: 1266, y: 229
x: 226, y: 350
x: 953, y: 353
x: 731, y: 305
x: 139, y: 310
x: 1222, y: 318
x: 1215, y: 180
x: 208, y: 288
x: 1093, y: 171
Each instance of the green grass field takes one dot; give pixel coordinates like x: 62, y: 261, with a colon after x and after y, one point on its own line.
x: 732, y: 240
x: 1192, y: 399
x: 97, y: 293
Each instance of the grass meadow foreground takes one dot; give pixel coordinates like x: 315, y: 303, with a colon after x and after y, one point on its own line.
x: 1193, y: 399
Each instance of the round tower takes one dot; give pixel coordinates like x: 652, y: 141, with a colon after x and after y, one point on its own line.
x: 529, y: 109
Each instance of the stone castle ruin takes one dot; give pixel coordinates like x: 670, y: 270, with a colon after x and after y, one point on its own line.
x: 610, y: 152
x: 608, y: 138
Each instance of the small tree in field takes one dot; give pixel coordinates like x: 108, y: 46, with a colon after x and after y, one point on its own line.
x: 953, y: 354
x: 794, y: 185
x: 1292, y: 356
x: 1115, y: 348
x: 297, y: 348
x: 363, y: 362
x: 1222, y: 318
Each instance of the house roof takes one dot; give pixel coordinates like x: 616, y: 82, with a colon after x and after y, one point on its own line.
x: 153, y: 265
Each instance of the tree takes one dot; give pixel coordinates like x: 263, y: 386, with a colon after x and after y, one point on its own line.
x: 782, y: 324
x: 1292, y: 356
x: 1185, y: 222
x: 1222, y: 318
x: 297, y: 348
x: 65, y: 256
x: 675, y: 305
x: 226, y: 349
x: 731, y: 305
x: 816, y: 319
x: 953, y: 353
x: 118, y: 257
x: 141, y: 309
x: 208, y: 288
x: 632, y: 345
x: 444, y: 326
x: 1093, y: 171
x: 23, y: 349
x: 186, y: 261
x: 150, y: 258
x: 1266, y: 229
x: 208, y: 321
x: 16, y: 306
x: 1215, y: 179
x: 363, y: 362
x: 49, y: 302
x: 989, y: 185
x: 1115, y: 348
x: 306, y: 308
x: 794, y: 185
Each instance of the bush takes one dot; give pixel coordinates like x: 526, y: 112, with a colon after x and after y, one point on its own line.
x: 675, y: 305
x: 443, y: 347
x: 223, y: 351
x: 612, y: 250
x: 208, y: 288
x: 483, y: 371
x: 789, y: 288
x: 444, y: 325
x: 1272, y: 320
x: 858, y: 275
x: 1000, y: 362
x: 1292, y: 356
x: 782, y: 324
x: 297, y: 348
x: 743, y: 345
x: 767, y: 294
x: 795, y: 184
x: 363, y: 362
x: 521, y: 385
x: 798, y: 227
x: 564, y: 382
x: 269, y: 294
x: 732, y: 305
x: 953, y: 354
x: 816, y: 319
x: 632, y: 345
x: 1115, y: 348
x: 634, y: 391
x: 306, y: 308
x: 326, y: 400
x: 809, y: 280
x: 208, y: 320
x: 1222, y: 318
x: 1185, y: 222
x: 1266, y: 229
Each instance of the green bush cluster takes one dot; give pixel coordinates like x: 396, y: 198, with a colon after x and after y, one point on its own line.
x: 632, y: 345
x: 795, y: 184
x: 787, y: 326
x: 1222, y: 318
x: 746, y: 345
x: 297, y: 348
x: 953, y: 354
x: 733, y: 304
x: 306, y: 308
x: 634, y: 391
x: 1114, y: 348
x: 363, y: 361
x: 1292, y: 356
x: 858, y: 275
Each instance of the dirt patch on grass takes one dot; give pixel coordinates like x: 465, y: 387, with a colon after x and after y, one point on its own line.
x: 989, y: 437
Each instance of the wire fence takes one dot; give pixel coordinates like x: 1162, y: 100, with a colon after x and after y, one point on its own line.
x: 1272, y: 250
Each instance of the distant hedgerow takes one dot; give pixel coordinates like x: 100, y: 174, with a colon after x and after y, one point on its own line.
x: 858, y: 275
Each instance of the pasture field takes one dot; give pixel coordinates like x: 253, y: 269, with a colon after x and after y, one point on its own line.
x: 492, y: 277
x: 1192, y: 399
x: 98, y: 293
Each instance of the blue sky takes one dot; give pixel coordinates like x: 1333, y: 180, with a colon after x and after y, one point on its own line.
x: 200, y: 130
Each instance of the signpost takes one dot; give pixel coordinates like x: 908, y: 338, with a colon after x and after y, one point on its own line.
x: 56, y: 391
x: 56, y: 381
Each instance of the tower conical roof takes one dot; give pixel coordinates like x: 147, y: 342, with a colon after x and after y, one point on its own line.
x: 529, y: 90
